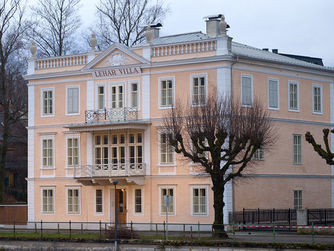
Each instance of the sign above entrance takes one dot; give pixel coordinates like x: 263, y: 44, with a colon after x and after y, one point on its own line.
x: 117, y: 72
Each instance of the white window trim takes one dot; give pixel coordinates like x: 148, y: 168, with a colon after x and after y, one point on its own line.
x: 301, y: 150
x: 252, y: 96
x: 278, y: 96
x: 97, y: 95
x: 160, y: 199
x: 53, y: 188
x: 52, y: 137
x: 72, y: 136
x: 321, y: 98
x: 159, y: 91
x: 142, y: 201
x: 138, y: 93
x: 159, y: 153
x: 198, y: 75
x: 298, y: 96
x: 99, y: 213
x: 66, y: 106
x: 53, y: 102
x: 259, y: 159
x: 192, y: 198
x: 124, y: 93
x: 73, y: 187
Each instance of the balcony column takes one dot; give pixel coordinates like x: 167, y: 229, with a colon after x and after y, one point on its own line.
x: 90, y: 150
x: 112, y: 204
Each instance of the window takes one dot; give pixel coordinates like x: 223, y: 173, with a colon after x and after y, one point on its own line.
x: 101, y: 149
x: 273, y: 94
x: 138, y: 201
x: 166, y: 150
x: 247, y: 90
x: 72, y: 101
x: 198, y: 90
x: 73, y: 151
x: 297, y: 149
x: 259, y: 154
x: 199, y: 199
x: 100, y: 97
x: 135, y: 149
x: 134, y: 95
x: 171, y: 207
x: 47, y: 153
x: 118, y: 146
x: 48, y: 102
x: 98, y: 201
x: 48, y: 200
x: 293, y: 96
x: 317, y: 98
x: 73, y: 203
x: 117, y: 96
x: 166, y: 93
x: 298, y: 199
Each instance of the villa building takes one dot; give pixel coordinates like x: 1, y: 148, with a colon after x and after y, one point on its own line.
x: 96, y: 117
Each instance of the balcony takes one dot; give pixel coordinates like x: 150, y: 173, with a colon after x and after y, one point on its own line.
x: 109, y: 170
x: 111, y: 115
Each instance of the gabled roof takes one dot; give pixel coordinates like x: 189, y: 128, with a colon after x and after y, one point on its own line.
x: 108, y: 51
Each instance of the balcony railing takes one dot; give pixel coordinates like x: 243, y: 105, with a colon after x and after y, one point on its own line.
x: 110, y: 170
x: 111, y: 115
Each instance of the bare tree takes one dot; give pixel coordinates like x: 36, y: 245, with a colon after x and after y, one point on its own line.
x: 326, y: 152
x: 124, y: 21
x: 57, y: 22
x: 222, y: 137
x: 13, y: 94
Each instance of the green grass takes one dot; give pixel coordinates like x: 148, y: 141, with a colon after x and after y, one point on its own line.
x: 86, y: 236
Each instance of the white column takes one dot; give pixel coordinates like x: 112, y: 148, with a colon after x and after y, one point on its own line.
x: 147, y: 150
x: 31, y: 66
x: 331, y: 98
x: 112, y: 203
x: 90, y: 95
x: 146, y: 100
x: 31, y: 200
x: 224, y: 45
x: 147, y: 53
x: 89, y: 148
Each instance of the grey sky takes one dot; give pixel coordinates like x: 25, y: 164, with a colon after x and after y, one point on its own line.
x: 303, y: 27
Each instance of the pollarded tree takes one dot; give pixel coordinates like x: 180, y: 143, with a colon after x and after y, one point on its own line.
x: 326, y: 152
x: 222, y: 136
x: 123, y: 21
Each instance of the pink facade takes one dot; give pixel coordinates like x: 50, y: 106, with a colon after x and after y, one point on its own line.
x: 96, y: 117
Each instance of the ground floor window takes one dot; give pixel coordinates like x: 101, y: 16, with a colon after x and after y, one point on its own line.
x: 298, y: 199
x: 99, y: 201
x: 138, y: 201
x: 73, y: 202
x: 48, y: 200
x: 199, y: 199
x: 165, y: 193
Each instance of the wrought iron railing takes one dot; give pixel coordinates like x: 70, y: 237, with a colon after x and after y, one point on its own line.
x: 111, y: 115
x: 110, y: 170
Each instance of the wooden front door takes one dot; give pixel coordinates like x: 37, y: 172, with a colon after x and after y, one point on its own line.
x: 121, y: 205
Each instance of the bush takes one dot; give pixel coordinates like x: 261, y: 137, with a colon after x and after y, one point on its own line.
x: 122, y: 233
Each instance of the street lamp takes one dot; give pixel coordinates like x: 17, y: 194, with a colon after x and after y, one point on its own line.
x: 115, y: 182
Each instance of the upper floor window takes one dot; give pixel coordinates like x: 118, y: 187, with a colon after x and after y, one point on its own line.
x: 297, y: 149
x: 72, y: 100
x: 317, y: 98
x: 166, y: 150
x: 273, y: 94
x: 47, y: 152
x: 101, y: 97
x: 48, y: 102
x: 198, y: 89
x: 246, y: 90
x: 293, y: 96
x: 117, y: 96
x: 73, y: 151
x: 259, y: 154
x: 134, y: 95
x: 166, y: 92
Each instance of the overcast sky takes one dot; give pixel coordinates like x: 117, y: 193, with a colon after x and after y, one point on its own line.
x: 302, y: 27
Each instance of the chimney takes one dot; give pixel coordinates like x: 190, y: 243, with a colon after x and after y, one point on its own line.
x: 152, y: 31
x: 216, y: 25
x: 265, y: 49
x: 275, y: 51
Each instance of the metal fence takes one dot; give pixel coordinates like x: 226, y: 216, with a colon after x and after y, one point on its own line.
x: 322, y: 216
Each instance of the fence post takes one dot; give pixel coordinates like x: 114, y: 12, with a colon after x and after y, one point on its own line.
x: 289, y: 219
x: 199, y: 233
x: 243, y: 216
x: 101, y: 229
x: 191, y: 233
x: 307, y: 217
x: 184, y: 230
x: 70, y: 229
x: 131, y: 230
x: 41, y: 229
x: 156, y: 229
x: 274, y: 232
x: 312, y: 233
x: 35, y: 227
x: 105, y: 229
x: 58, y: 228
x: 273, y: 214
x: 258, y: 216
x: 81, y: 228
x: 14, y: 230
x: 165, y: 230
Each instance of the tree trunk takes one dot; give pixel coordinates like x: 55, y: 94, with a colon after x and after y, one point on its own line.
x: 3, y: 150
x: 218, y: 205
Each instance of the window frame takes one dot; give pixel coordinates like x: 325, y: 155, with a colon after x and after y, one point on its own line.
x: 278, y: 96
x: 161, y: 213
x: 130, y: 94
x: 298, y: 199
x: 243, y: 75
x: 160, y: 133
x: 142, y: 201
x: 42, y: 138
x: 124, y: 97
x: 292, y: 82
x: 192, y: 213
x: 321, y: 99
x: 79, y: 200
x: 172, y: 78
x: 46, y: 89
x: 42, y: 188
x: 259, y: 158
x: 67, y: 113
x: 296, y: 162
x: 72, y: 136
x: 192, y: 77
x: 95, y: 198
x: 97, y: 96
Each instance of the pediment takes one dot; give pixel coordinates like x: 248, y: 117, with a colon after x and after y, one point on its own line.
x: 116, y: 55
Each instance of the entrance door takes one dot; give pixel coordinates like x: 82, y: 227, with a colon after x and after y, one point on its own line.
x: 121, y: 205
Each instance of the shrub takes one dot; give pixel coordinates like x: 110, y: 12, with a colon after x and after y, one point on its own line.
x: 122, y: 233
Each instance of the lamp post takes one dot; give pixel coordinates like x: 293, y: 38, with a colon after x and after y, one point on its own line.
x: 115, y: 182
